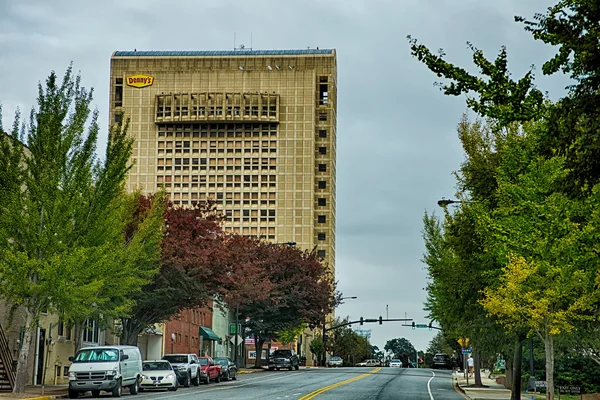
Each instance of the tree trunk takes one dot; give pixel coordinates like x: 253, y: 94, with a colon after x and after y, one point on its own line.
x: 78, y: 332
x: 508, y: 371
x: 21, y: 376
x: 549, y: 348
x: 477, y: 365
x: 517, y: 370
x: 131, y: 330
x: 258, y: 341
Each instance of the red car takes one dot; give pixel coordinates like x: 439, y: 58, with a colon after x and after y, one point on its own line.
x: 209, y: 371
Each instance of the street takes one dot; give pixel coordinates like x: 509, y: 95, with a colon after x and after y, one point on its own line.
x: 331, y: 384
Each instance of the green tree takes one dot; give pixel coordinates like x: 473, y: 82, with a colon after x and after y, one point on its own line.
x: 317, y: 347
x: 290, y: 334
x: 64, y: 215
x: 348, y: 344
x: 402, y: 349
x: 546, y: 240
x: 573, y: 122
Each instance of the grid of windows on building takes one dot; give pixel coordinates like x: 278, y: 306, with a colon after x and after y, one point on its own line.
x: 234, y: 165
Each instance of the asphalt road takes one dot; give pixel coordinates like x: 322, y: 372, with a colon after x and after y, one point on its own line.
x: 322, y: 384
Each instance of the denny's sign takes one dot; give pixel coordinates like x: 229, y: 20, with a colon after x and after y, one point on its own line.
x: 140, y: 81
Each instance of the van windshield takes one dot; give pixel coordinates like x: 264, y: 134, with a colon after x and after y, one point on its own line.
x: 97, y: 355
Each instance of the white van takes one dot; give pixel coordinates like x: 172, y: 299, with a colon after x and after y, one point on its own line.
x: 108, y: 368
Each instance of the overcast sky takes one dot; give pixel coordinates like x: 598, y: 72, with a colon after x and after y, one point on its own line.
x: 397, y: 142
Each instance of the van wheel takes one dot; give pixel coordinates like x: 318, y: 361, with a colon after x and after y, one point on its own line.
x: 73, y: 394
x: 135, y: 388
x: 95, y: 393
x: 186, y: 382
x: 118, y: 390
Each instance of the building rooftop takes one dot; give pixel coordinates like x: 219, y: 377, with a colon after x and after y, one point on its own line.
x: 221, y: 53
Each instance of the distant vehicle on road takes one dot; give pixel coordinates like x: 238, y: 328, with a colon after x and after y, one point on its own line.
x: 284, y: 359
x: 335, y: 362
x: 442, y: 361
x: 368, y: 363
x: 395, y: 363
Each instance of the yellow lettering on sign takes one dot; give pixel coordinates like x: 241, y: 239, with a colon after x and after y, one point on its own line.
x: 139, y: 81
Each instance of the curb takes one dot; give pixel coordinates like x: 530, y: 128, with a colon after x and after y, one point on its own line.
x: 459, y: 389
x: 249, y: 371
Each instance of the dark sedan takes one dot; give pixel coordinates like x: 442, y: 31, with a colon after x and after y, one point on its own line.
x: 228, y: 368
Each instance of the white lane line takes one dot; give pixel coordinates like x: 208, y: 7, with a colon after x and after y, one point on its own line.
x: 429, y: 385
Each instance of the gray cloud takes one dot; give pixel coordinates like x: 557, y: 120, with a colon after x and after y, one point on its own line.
x: 397, y: 143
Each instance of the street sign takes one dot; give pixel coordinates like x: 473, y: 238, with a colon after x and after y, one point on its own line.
x: 466, y: 351
x: 540, y: 384
x: 569, y: 389
x: 422, y: 326
x: 232, y: 330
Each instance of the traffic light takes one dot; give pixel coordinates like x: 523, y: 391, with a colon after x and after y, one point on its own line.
x: 326, y: 348
x: 413, y: 325
x: 430, y: 326
x: 325, y: 338
x: 361, y: 320
x: 380, y: 320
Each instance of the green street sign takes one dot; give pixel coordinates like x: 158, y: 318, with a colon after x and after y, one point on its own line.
x: 232, y: 330
x: 422, y: 326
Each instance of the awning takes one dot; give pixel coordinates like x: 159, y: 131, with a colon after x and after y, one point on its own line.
x: 208, y: 333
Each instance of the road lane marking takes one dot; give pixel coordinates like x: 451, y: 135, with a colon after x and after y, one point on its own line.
x: 229, y: 387
x: 317, y: 392
x: 429, y: 385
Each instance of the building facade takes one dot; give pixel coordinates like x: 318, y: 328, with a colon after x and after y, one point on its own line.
x: 253, y: 130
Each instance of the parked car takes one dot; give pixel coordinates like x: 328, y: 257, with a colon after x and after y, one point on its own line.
x: 335, y: 362
x: 368, y: 363
x: 209, y: 370
x: 158, y: 374
x: 186, y: 366
x: 395, y: 363
x: 228, y: 368
x: 284, y: 359
x: 105, y: 368
x: 442, y: 361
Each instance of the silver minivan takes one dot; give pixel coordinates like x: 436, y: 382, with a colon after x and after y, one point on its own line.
x: 105, y: 368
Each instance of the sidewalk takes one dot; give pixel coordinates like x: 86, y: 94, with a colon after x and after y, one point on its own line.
x: 492, y: 391
x: 35, y: 392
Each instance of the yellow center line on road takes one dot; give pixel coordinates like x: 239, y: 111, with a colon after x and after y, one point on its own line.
x: 317, y: 392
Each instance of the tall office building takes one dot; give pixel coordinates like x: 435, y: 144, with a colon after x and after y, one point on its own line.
x: 254, y: 130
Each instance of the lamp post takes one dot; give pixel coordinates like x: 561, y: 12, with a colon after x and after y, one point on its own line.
x: 324, y: 356
x: 446, y: 202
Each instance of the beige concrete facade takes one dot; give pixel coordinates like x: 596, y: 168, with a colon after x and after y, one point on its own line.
x: 253, y: 130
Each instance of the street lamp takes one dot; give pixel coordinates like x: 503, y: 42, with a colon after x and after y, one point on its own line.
x: 447, y: 202
x: 323, y: 357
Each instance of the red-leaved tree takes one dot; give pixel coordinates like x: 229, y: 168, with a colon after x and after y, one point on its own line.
x: 301, y: 289
x: 199, y: 261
